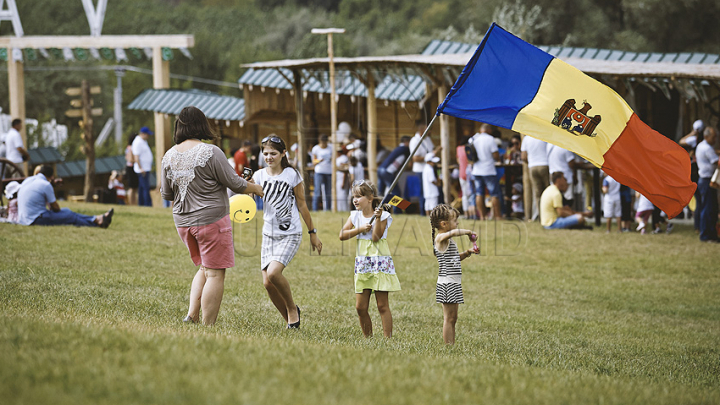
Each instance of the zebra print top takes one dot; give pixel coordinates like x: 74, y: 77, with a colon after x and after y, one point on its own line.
x: 280, y: 211
x: 449, y: 261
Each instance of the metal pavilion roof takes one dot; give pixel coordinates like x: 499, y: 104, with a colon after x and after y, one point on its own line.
x: 397, y: 84
x: 437, y: 47
x: 43, y: 155
x: 104, y: 165
x: 170, y: 101
x: 403, y: 78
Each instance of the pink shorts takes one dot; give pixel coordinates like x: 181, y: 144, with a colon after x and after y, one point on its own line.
x: 210, y: 245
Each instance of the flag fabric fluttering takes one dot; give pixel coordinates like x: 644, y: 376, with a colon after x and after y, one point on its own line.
x: 398, y: 202
x: 513, y: 84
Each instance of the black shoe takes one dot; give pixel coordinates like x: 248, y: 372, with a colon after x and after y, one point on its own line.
x: 107, y: 218
x: 295, y: 325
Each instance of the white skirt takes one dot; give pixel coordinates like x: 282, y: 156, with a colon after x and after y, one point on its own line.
x: 279, y: 248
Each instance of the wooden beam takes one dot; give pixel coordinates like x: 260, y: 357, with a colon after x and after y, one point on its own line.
x: 527, y: 189
x: 16, y: 82
x: 333, y: 125
x: 372, y: 130
x: 163, y: 137
x: 89, y: 138
x: 105, y: 41
x: 445, y: 143
x: 299, y: 119
x: 290, y: 82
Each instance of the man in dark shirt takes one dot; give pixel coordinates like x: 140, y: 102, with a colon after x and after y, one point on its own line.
x: 390, y: 167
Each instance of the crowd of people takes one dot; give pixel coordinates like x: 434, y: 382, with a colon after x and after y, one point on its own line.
x: 482, y: 159
x: 196, y: 178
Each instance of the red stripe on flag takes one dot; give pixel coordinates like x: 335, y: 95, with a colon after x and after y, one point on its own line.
x: 403, y: 205
x: 646, y: 161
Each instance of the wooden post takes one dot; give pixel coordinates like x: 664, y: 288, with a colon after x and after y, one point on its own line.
x: 445, y: 143
x: 89, y: 138
x: 299, y: 117
x: 333, y: 123
x: 527, y: 190
x: 16, y: 82
x: 163, y: 138
x: 371, y: 128
x: 333, y: 106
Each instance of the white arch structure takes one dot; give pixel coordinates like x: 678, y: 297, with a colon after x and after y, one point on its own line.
x: 161, y: 68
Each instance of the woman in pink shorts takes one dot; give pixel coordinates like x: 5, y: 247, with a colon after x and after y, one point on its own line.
x: 196, y: 176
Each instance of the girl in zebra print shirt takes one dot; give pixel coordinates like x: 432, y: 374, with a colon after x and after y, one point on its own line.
x: 284, y: 206
x: 449, y: 288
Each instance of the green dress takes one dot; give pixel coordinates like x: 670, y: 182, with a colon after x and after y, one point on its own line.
x: 374, y: 267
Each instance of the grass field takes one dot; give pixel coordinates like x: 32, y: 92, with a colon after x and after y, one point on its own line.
x: 92, y: 316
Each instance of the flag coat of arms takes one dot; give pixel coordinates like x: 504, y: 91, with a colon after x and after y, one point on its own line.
x: 399, y: 202
x: 513, y: 84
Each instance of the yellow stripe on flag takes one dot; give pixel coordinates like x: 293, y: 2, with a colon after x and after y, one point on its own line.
x: 561, y: 84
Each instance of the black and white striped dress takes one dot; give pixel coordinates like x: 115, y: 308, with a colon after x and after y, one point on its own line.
x: 449, y: 287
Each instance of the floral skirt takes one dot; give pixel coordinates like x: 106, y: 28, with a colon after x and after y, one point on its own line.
x: 374, y: 267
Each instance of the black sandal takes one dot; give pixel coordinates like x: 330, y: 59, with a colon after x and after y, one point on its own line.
x: 295, y: 325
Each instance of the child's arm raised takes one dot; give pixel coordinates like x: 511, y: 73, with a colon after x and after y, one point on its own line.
x: 380, y: 226
x: 348, y: 232
x: 442, y: 237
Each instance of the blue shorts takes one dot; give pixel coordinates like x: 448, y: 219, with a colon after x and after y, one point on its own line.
x: 492, y: 184
x: 563, y: 223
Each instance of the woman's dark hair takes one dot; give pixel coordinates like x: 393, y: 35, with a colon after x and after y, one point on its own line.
x: 191, y: 123
x: 278, y: 144
x: 47, y: 171
x: 131, y: 138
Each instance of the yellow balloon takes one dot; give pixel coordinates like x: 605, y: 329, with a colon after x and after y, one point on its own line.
x: 242, y: 208
x: 692, y: 204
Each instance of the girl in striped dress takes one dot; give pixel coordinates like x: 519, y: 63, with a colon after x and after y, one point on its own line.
x: 374, y: 267
x: 449, y: 288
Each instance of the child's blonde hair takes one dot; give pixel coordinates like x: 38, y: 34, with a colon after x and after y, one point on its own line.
x: 366, y: 188
x: 440, y: 213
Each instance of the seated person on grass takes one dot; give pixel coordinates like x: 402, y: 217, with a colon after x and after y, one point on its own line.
x: 36, y: 193
x: 552, y: 212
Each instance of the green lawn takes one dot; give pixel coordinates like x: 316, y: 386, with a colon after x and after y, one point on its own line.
x: 92, y: 316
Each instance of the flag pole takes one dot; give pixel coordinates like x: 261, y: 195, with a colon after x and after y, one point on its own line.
x: 402, y: 168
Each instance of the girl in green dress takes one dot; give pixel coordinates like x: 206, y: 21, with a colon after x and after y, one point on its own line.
x: 374, y: 267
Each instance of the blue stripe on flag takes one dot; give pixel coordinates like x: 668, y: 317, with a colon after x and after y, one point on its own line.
x: 500, y: 79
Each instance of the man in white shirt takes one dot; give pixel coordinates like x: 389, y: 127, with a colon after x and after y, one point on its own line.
x: 143, y: 164
x: 15, y: 150
x: 534, y: 152
x: 707, y: 161
x: 431, y: 184
x: 418, y: 158
x: 484, y: 172
x: 562, y: 160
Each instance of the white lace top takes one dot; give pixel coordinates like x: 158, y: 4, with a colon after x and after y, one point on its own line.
x: 196, y: 181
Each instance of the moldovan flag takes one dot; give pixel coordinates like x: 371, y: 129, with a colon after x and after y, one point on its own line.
x: 399, y: 202
x: 514, y: 85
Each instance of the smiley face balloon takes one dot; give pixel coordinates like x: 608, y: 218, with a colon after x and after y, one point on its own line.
x: 242, y: 208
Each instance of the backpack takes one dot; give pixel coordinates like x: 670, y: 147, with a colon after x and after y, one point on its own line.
x: 470, y: 152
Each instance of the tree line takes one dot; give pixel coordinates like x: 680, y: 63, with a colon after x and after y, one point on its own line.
x: 231, y: 32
